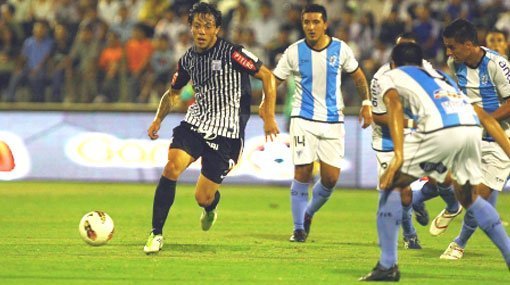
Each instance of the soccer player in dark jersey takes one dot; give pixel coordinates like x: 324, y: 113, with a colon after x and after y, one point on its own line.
x: 213, y: 127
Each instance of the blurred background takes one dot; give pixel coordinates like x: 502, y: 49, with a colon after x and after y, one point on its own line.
x: 80, y: 79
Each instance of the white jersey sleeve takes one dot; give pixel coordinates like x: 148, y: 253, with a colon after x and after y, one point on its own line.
x: 284, y: 67
x: 501, y: 76
x: 349, y: 62
x: 378, y: 106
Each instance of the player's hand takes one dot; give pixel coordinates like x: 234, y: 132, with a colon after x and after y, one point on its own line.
x: 271, y: 129
x: 387, y: 179
x: 365, y: 116
x: 153, y: 129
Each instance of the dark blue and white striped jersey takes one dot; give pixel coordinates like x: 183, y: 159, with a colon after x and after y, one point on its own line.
x: 220, y: 79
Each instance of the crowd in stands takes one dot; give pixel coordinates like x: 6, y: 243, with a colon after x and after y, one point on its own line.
x: 126, y: 50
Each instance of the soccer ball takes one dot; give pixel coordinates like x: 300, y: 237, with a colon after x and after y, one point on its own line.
x: 96, y: 228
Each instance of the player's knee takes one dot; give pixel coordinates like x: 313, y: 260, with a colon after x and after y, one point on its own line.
x: 406, y: 195
x: 203, y: 200
x: 329, y: 182
x: 171, y: 171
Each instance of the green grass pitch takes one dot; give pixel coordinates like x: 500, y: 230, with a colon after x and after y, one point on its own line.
x: 40, y: 244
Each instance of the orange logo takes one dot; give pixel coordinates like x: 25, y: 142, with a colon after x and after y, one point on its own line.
x: 6, y: 157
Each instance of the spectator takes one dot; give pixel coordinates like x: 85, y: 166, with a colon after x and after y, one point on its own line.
x: 32, y: 64
x: 151, y: 11
x: 83, y: 58
x: 44, y: 10
x: 110, y: 64
x: 497, y: 40
x: 7, y: 54
x: 426, y: 30
x: 170, y: 25
x: 108, y: 9
x: 161, y: 68
x: 123, y: 25
x: 138, y: 53
x: 59, y: 61
x: 391, y: 27
x: 265, y: 25
x: 182, y: 44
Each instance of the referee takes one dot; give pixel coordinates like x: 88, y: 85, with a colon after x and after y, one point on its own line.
x: 213, y: 128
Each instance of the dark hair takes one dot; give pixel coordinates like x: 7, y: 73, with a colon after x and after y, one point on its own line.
x: 407, y: 54
x: 497, y: 31
x: 205, y: 8
x: 315, y: 8
x: 407, y: 35
x: 461, y: 31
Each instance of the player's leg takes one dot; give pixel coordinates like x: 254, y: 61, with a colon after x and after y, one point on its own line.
x: 389, y: 216
x: 410, y: 236
x: 299, y: 200
x: 453, y: 208
x: 455, y: 249
x: 178, y: 161
x: 466, y: 169
x: 303, y: 148
x: 219, y: 157
x: 321, y: 191
x: 486, y: 217
x: 427, y: 192
x: 330, y: 151
x: 207, y: 196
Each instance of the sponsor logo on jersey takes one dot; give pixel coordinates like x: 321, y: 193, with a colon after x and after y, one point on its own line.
x: 244, y: 61
x: 506, y: 69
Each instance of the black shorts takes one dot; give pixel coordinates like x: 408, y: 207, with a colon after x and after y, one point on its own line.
x: 219, y: 154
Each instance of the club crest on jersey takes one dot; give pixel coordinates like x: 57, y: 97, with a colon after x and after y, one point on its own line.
x: 216, y: 65
x: 484, y: 79
x: 332, y: 60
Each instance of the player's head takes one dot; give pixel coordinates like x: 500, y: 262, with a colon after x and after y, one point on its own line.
x: 314, y: 21
x: 205, y: 22
x: 460, y: 39
x: 496, y: 40
x: 406, y: 38
x: 407, y: 54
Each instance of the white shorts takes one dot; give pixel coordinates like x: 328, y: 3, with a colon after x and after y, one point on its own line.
x: 456, y: 150
x: 316, y: 140
x: 495, y: 165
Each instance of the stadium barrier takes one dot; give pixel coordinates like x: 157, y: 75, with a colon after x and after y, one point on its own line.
x: 113, y: 146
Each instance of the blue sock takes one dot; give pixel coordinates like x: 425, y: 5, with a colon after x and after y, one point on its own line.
x: 489, y: 221
x: 469, y: 226
x: 427, y: 192
x: 447, y: 194
x: 298, y: 201
x: 320, y: 194
x: 389, y: 217
x: 407, y: 224
x: 493, y: 198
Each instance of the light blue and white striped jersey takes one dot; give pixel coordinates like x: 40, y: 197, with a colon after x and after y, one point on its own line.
x: 381, y: 138
x: 431, y: 98
x: 489, y: 83
x: 317, y: 74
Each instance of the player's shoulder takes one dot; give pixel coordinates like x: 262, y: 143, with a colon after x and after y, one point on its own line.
x: 496, y: 60
x: 383, y: 69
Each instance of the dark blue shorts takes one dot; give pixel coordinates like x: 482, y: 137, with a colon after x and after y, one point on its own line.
x: 219, y: 154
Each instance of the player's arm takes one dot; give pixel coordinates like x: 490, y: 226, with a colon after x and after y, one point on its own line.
x: 166, y: 104
x: 360, y: 81
x: 396, y: 126
x: 493, y: 128
x: 502, y: 82
x: 168, y: 100
x: 268, y: 104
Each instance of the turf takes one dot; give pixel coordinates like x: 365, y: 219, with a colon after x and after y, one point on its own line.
x: 40, y: 244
